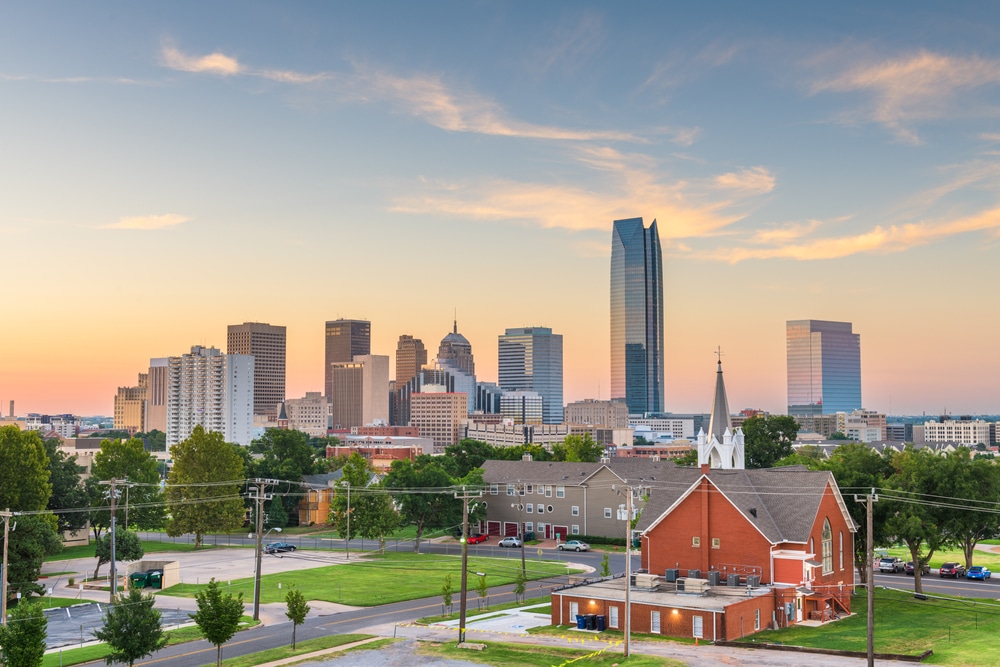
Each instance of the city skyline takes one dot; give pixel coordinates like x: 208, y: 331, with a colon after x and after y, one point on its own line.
x: 296, y: 164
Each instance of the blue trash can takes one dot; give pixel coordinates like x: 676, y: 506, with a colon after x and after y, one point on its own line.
x: 581, y: 622
x: 602, y: 622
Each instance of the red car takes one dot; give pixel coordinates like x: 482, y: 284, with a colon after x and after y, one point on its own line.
x: 953, y: 570
x: 476, y: 538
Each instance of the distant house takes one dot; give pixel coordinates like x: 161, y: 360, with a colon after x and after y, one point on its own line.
x: 319, y: 493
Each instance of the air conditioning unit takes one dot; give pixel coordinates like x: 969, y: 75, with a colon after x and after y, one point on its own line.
x: 753, y: 580
x: 681, y: 583
x: 647, y: 581
x: 692, y: 585
x: 713, y: 577
x: 732, y: 580
x: 694, y: 574
x: 671, y: 574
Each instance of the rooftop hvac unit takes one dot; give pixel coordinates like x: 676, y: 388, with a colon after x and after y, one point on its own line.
x: 671, y: 574
x: 645, y: 581
x: 694, y: 574
x: 753, y: 580
x: 692, y: 585
x: 713, y: 577
x: 733, y: 580
x: 681, y: 582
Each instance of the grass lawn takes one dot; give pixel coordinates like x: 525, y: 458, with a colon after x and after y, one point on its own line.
x: 49, y: 602
x: 568, y: 630
x: 402, y: 533
x: 518, y: 655
x: 88, y: 551
x: 991, y: 561
x: 960, y: 631
x: 381, y: 579
x: 301, y: 648
x: 492, y: 608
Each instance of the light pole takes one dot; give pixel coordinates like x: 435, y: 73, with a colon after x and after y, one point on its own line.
x: 7, y: 516
x: 520, y: 523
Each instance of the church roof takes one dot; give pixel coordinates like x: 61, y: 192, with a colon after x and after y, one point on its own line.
x: 720, y: 421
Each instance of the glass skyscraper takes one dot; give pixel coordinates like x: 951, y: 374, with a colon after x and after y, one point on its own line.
x: 824, y: 367
x: 531, y: 359
x: 637, y: 316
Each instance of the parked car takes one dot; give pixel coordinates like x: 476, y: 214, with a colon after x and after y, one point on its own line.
x: 953, y: 570
x: 978, y: 572
x: 891, y: 564
x: 278, y: 547
x: 476, y: 538
x: 574, y: 545
x: 510, y: 542
x: 924, y: 568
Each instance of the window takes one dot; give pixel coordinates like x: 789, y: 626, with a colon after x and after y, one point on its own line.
x: 548, y: 491
x: 520, y: 491
x: 494, y: 489
x: 529, y: 508
x: 575, y: 511
x: 696, y: 541
x: 575, y: 529
x: 612, y: 617
x: 716, y: 543
x: 541, y: 529
x: 528, y: 488
x: 654, y: 621
x: 549, y: 508
x: 510, y: 489
x: 541, y: 508
x: 607, y: 512
x: 541, y: 489
x: 560, y: 492
x: 696, y: 627
x: 827, y: 537
x: 529, y: 526
x: 756, y: 619
x: 841, y: 550
x: 574, y: 609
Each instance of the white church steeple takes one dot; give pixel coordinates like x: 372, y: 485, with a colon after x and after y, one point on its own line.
x: 721, y: 447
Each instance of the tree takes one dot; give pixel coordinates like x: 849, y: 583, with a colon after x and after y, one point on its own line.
x: 276, y: 516
x: 689, y: 459
x: 204, y: 486
x: 24, y: 470
x: 67, y: 491
x: 606, y: 565
x: 22, y: 640
x: 32, y: 539
x: 974, y: 483
x: 297, y: 610
x: 285, y: 455
x: 582, y: 448
x: 128, y: 548
x: 155, y: 441
x: 372, y: 515
x: 482, y: 589
x: 520, y: 581
x: 218, y: 616
x: 469, y: 454
x: 125, y: 460
x: 131, y: 628
x: 446, y: 592
x: 768, y: 439
x: 837, y: 435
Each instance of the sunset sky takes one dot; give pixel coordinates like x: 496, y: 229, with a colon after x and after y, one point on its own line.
x: 168, y: 169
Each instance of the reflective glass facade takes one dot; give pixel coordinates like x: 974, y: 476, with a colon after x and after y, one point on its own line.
x: 531, y: 359
x: 824, y: 367
x: 637, y: 316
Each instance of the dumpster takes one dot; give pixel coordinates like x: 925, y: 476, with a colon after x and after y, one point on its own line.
x: 138, y: 579
x: 591, y: 621
x: 602, y: 622
x: 154, y: 578
x: 581, y: 622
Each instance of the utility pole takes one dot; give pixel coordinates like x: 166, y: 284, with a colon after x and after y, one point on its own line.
x: 347, y: 541
x: 258, y: 493
x: 6, y: 515
x: 466, y: 497
x: 870, y: 570
x: 113, y: 483
x: 628, y: 491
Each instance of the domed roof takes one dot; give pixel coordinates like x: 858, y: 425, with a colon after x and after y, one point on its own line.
x: 455, y: 338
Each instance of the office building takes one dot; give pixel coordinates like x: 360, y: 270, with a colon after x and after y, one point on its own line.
x: 438, y: 415
x: 210, y: 389
x: 523, y: 407
x: 531, y: 359
x: 411, y: 356
x: 266, y: 344
x: 309, y: 414
x: 455, y: 352
x: 360, y: 391
x: 156, y: 395
x: 345, y: 339
x: 637, y: 316
x: 130, y: 407
x: 968, y: 432
x: 824, y: 367
x: 613, y: 414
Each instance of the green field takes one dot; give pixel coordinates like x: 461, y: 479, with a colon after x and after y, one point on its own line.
x: 990, y: 560
x: 532, y: 655
x: 960, y: 631
x: 88, y: 551
x: 301, y: 648
x: 488, y: 610
x: 381, y: 579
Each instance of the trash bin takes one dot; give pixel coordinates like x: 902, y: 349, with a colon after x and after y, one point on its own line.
x: 529, y: 536
x: 581, y: 622
x: 154, y: 578
x: 602, y: 622
x: 591, y: 621
x: 138, y: 580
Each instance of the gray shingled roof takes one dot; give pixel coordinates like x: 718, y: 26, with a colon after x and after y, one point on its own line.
x: 538, y: 472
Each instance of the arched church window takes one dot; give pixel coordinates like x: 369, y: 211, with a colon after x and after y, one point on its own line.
x: 827, y: 539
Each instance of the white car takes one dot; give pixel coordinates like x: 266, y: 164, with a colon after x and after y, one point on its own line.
x: 574, y: 545
x: 510, y: 542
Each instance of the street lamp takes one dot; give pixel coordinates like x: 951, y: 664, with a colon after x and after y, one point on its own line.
x: 256, y: 570
x: 520, y: 522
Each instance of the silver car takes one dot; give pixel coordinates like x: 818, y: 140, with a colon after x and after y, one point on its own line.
x: 574, y: 545
x: 510, y: 542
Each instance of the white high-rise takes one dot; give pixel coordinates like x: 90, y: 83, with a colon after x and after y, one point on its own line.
x: 212, y: 389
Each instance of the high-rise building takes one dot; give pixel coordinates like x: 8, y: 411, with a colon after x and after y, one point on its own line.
x: 130, y: 406
x: 438, y: 414
x: 637, y: 316
x: 309, y: 414
x: 211, y: 389
x: 523, y: 407
x: 156, y: 395
x: 531, y: 359
x: 411, y: 356
x: 360, y: 393
x: 455, y: 351
x: 824, y: 367
x: 345, y: 339
x: 266, y: 344
x: 613, y: 414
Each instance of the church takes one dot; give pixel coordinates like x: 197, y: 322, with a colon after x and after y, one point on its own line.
x: 727, y: 551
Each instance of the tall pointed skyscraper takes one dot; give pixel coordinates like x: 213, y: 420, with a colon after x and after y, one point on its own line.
x: 637, y: 316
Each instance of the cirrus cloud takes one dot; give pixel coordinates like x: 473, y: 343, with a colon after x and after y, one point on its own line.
x: 148, y: 222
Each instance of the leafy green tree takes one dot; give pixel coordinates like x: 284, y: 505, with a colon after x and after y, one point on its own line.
x: 975, y: 484
x: 606, y: 565
x: 837, y: 435
x: 689, y: 459
x: 218, y: 616
x: 128, y: 548
x: 125, y: 460
x: 31, y: 542
x: 810, y: 456
x: 155, y: 441
x: 297, y: 610
x: 482, y: 589
x: 285, y: 455
x: 68, y: 491
x: 204, y: 486
x: 276, y: 516
x: 24, y: 470
x: 110, y: 434
x: 22, y: 640
x: 582, y: 448
x: 371, y: 510
x: 517, y: 452
x: 447, y: 591
x: 768, y: 439
x: 520, y: 582
x: 131, y: 628
x: 469, y: 454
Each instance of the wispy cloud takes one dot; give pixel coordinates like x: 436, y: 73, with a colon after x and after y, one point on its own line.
x: 684, y: 65
x: 754, y: 180
x: 911, y: 88
x: 226, y: 65
x: 573, y: 42
x: 148, y: 222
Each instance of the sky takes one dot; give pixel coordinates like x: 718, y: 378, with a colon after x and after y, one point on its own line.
x: 168, y: 169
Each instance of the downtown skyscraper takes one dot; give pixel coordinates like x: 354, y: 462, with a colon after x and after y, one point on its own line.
x: 345, y: 339
x: 637, y: 316
x: 824, y: 367
x: 531, y: 359
x: 266, y: 344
